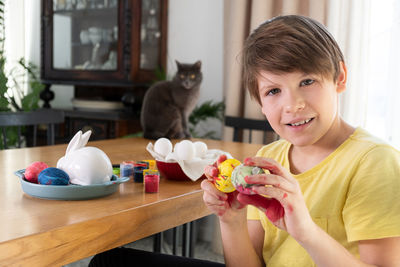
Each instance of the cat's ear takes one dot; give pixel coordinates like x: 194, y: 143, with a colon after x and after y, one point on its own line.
x: 198, y: 64
x: 178, y: 64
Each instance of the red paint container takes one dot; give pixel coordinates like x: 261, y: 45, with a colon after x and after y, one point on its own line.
x: 151, y: 183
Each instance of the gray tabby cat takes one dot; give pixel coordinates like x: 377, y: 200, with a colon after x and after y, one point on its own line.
x: 168, y: 104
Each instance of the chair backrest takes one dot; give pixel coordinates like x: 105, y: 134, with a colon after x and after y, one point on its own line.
x: 49, y: 117
x: 239, y: 124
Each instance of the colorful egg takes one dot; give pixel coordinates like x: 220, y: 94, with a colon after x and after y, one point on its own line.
x: 33, y: 170
x: 53, y: 176
x: 240, y: 173
x: 223, y: 182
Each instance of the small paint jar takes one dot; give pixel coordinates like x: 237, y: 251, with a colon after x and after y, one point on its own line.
x: 116, y: 171
x: 151, y: 181
x: 151, y: 162
x: 126, y: 169
x: 143, y: 162
x: 138, y: 172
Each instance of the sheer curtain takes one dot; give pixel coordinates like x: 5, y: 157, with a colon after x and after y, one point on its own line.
x: 22, y: 32
x: 370, y: 39
x: 383, y: 72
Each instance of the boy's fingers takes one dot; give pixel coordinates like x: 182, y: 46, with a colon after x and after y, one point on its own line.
x: 268, y: 164
x: 211, y: 172
x: 208, y: 186
x: 221, y: 159
x: 270, y: 179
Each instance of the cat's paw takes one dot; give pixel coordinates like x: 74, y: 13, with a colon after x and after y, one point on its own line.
x: 178, y: 135
x: 187, y: 134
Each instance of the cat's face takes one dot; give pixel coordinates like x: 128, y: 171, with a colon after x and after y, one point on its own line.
x: 189, y: 75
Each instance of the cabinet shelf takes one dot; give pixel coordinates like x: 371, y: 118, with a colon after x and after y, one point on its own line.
x: 107, y: 11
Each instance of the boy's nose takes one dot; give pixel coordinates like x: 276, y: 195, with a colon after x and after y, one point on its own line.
x: 295, y: 104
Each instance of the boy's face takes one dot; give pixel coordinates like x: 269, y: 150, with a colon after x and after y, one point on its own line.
x: 300, y: 107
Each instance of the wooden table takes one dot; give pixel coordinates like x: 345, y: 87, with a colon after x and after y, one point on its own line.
x: 39, y: 232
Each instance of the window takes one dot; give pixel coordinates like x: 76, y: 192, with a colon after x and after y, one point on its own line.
x: 383, y: 72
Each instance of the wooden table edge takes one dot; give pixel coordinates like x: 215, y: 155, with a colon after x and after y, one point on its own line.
x: 74, y: 242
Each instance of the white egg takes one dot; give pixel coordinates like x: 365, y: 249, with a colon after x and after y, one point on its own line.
x: 200, y: 148
x: 163, y: 146
x: 176, y: 147
x: 185, y: 150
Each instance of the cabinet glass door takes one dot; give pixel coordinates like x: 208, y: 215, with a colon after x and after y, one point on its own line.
x: 85, y: 35
x: 150, y: 34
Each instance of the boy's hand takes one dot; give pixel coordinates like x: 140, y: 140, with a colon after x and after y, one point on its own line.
x: 286, y: 208
x: 224, y: 205
x: 211, y: 171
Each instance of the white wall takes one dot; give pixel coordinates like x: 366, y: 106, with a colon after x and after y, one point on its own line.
x: 195, y: 32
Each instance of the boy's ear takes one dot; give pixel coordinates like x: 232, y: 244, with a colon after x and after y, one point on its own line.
x: 342, y: 78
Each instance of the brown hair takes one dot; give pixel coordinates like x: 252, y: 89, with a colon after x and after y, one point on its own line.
x: 287, y: 44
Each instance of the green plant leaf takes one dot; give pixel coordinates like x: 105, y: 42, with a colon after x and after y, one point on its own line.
x: 160, y: 74
x: 207, y: 110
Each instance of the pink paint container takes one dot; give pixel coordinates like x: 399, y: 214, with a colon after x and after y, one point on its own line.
x: 151, y: 181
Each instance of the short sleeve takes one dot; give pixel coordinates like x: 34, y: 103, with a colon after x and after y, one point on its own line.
x: 252, y: 213
x: 372, y: 207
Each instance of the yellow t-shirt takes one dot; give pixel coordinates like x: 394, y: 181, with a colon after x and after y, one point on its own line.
x: 353, y: 194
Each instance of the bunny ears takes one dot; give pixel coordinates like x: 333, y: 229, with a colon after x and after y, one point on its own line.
x: 78, y: 141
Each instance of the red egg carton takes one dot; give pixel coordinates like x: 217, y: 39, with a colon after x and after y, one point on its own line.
x: 172, y: 171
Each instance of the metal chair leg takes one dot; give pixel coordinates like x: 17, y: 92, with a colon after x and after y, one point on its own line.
x: 185, y: 240
x: 188, y: 244
x: 192, y: 239
x: 174, y: 241
x: 157, y: 242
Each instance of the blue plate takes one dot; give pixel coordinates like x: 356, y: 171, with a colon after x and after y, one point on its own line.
x: 69, y: 192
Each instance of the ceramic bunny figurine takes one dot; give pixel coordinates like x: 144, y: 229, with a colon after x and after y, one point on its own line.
x: 85, y: 165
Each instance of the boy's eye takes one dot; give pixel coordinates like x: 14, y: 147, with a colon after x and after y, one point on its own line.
x: 273, y: 91
x: 307, y: 82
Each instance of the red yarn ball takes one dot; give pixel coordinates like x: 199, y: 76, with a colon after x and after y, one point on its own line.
x: 32, y: 171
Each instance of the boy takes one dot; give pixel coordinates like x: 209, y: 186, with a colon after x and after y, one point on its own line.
x: 333, y: 188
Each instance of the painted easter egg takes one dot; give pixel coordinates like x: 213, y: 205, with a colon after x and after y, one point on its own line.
x: 223, y: 182
x: 238, y: 175
x: 32, y: 171
x: 53, y: 176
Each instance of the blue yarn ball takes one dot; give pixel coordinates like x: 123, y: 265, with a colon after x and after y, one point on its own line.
x: 53, y: 176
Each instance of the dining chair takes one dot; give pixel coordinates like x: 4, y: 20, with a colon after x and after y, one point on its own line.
x: 30, y: 120
x: 239, y: 124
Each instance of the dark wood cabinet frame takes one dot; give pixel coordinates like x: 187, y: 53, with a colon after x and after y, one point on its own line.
x: 128, y: 72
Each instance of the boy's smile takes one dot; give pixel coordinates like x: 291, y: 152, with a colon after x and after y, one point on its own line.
x: 301, y: 108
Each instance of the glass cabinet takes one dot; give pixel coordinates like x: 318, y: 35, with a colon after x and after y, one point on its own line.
x: 103, y: 42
